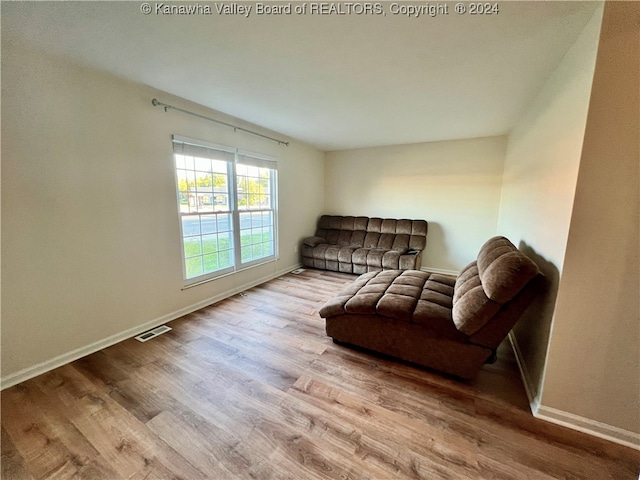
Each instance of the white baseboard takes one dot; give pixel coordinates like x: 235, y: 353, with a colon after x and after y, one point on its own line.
x: 566, y: 419
x: 46, y: 366
x: 586, y: 425
x: 529, y: 387
x: 440, y: 270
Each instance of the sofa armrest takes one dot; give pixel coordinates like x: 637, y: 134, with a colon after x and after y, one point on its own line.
x: 410, y: 260
x: 313, y: 241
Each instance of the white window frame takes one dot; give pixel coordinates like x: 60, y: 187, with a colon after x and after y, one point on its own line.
x: 235, y: 157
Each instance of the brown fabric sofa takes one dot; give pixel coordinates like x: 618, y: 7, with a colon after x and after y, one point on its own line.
x: 362, y: 244
x: 451, y: 324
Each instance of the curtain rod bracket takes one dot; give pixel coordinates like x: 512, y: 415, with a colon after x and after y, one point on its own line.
x: 156, y: 103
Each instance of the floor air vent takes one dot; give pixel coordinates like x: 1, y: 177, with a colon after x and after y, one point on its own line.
x: 297, y: 271
x: 143, y: 337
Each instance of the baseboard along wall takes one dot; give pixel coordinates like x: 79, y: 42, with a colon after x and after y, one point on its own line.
x: 40, y: 368
x: 566, y: 419
x: 441, y: 271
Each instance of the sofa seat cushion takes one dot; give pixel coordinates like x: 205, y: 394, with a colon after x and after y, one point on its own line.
x: 345, y: 254
x: 331, y: 253
x: 377, y: 257
x: 414, y: 296
x: 360, y: 256
x: 320, y: 250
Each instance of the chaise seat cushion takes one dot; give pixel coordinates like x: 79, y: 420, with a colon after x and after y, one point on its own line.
x: 414, y: 296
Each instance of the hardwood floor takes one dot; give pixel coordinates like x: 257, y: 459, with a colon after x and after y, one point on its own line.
x: 251, y: 387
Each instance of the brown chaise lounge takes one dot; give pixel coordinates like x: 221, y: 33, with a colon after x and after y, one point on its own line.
x: 450, y: 324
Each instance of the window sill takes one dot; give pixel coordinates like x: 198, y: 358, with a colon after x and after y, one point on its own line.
x: 218, y: 277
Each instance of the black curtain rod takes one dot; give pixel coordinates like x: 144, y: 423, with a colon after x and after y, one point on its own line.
x: 156, y: 103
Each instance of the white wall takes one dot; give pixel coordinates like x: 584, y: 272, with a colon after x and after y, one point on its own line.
x: 593, y: 366
x: 454, y: 185
x: 90, y: 237
x: 90, y: 233
x: 541, y: 169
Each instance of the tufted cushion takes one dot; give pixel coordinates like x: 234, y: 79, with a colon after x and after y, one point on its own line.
x: 386, y: 241
x: 407, y: 295
x: 391, y: 260
x: 335, y: 305
x: 371, y: 240
x: 361, y: 244
x: 482, y: 287
x: 400, y: 242
x: 375, y: 225
x: 347, y: 223
x: 468, y: 278
x: 473, y: 310
x: 331, y: 235
x: 388, y: 225
x: 507, y: 275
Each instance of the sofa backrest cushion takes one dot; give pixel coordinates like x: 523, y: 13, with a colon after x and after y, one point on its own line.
x: 338, y: 230
x: 383, y: 233
x: 496, y: 277
x: 371, y: 240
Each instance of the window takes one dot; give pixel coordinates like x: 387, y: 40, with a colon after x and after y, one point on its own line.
x: 227, y: 205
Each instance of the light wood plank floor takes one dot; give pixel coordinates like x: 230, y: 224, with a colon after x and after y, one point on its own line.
x: 252, y: 388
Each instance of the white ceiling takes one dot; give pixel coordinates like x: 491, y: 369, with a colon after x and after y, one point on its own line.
x: 334, y: 81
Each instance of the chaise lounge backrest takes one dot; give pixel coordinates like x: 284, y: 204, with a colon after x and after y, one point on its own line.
x: 491, y: 292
